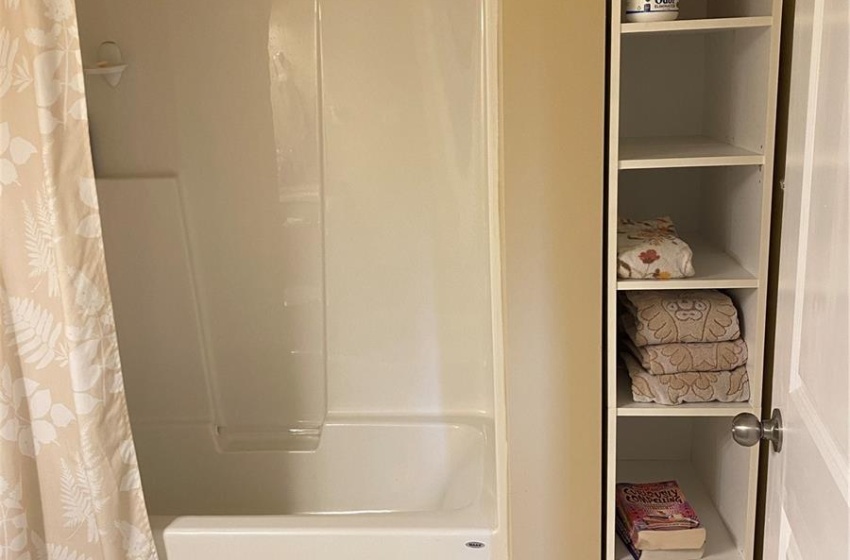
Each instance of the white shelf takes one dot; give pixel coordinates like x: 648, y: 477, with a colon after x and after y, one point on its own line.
x: 627, y: 407
x: 682, y: 151
x: 697, y: 25
x: 719, y: 543
x: 714, y: 270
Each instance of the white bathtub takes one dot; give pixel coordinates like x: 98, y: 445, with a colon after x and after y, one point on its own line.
x: 374, y: 490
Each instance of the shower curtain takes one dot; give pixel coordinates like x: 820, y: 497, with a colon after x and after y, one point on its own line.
x: 69, y: 483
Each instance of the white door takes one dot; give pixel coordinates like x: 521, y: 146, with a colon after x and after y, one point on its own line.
x: 808, y: 501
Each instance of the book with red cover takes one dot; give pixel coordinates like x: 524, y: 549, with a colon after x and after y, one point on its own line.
x: 657, y: 516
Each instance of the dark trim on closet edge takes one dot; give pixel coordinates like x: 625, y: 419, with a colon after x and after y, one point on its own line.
x: 781, y: 145
x: 603, y: 371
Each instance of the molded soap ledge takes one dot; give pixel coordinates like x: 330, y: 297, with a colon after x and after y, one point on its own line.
x: 112, y: 74
x: 110, y: 64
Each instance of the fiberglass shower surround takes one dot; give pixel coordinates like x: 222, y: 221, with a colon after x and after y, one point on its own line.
x: 365, y: 263
x: 327, y: 261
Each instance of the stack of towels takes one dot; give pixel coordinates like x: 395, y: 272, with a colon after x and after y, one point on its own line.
x: 683, y: 346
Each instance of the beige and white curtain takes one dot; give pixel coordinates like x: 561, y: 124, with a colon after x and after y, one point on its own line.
x: 69, y: 483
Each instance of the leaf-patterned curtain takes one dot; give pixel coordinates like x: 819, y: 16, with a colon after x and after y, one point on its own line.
x: 69, y: 483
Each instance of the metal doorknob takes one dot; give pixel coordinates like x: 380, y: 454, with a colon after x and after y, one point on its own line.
x: 748, y: 430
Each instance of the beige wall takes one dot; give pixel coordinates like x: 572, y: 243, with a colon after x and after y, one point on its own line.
x: 553, y: 68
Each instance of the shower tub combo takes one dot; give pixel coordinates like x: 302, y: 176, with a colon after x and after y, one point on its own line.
x: 320, y: 377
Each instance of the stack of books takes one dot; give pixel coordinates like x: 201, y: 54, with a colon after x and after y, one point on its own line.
x: 656, y: 522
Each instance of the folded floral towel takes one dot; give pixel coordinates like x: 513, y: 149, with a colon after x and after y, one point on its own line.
x: 692, y: 387
x: 670, y: 316
x: 651, y: 249
x: 664, y: 359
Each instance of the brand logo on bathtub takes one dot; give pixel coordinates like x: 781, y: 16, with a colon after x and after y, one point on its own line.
x: 475, y: 544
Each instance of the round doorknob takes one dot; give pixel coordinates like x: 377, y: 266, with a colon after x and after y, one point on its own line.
x: 746, y: 429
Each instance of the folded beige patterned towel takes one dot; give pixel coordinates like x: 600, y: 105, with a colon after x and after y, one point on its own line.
x: 665, y: 359
x: 692, y: 387
x: 652, y: 249
x: 670, y: 316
